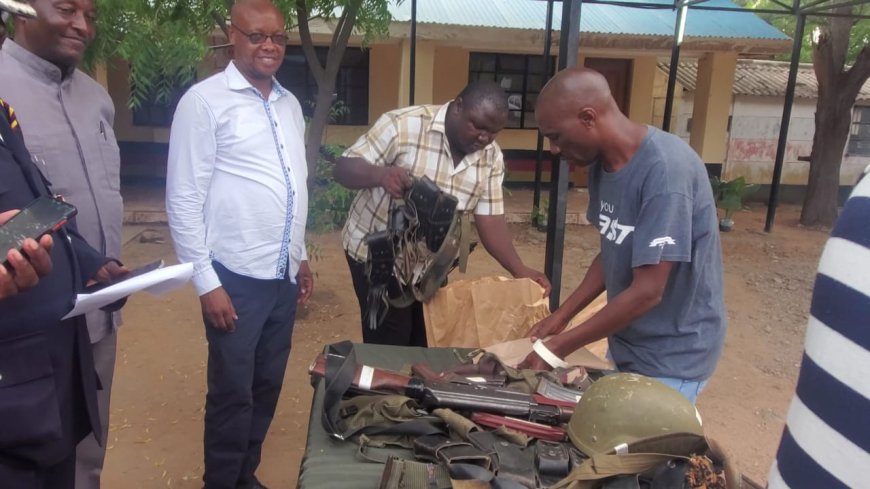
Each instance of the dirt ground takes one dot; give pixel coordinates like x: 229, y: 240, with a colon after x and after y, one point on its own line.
x: 155, y: 438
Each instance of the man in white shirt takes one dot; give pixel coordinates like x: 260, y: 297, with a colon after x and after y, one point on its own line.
x: 237, y: 203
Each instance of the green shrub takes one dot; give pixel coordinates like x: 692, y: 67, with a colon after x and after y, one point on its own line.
x: 729, y: 195
x: 329, y: 202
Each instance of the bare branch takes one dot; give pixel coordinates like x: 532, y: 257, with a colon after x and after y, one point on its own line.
x: 313, y: 17
x: 858, y: 73
x: 343, y: 31
x: 307, y: 42
x: 222, y: 23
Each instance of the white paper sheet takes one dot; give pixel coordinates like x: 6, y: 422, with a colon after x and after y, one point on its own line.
x: 156, y: 282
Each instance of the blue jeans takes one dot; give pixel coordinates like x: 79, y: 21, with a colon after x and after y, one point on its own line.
x: 690, y: 389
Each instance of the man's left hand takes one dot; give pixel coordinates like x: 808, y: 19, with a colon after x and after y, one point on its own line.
x: 111, y: 270
x: 534, y: 362
x: 305, y: 281
x: 538, y: 277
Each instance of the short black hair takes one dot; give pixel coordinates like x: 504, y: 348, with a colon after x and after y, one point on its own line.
x: 484, y: 91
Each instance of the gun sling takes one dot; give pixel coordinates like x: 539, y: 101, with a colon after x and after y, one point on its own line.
x: 341, y: 366
x: 408, y: 474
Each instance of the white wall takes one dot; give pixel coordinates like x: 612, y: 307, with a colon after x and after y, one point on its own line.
x: 754, y: 134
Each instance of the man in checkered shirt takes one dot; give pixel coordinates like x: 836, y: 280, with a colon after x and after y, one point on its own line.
x: 452, y: 144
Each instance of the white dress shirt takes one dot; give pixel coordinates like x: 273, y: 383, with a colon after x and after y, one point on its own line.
x: 236, y: 180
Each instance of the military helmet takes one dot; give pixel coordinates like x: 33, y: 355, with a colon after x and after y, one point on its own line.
x: 622, y: 408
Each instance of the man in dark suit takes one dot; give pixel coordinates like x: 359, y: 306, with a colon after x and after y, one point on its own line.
x: 47, y: 381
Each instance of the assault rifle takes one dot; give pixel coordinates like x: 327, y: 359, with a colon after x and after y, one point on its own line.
x: 464, y: 397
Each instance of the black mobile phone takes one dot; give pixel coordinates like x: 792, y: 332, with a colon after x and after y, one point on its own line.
x: 42, y: 216
x: 133, y: 273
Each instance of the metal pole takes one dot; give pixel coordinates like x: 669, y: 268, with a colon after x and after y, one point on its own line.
x: 679, y: 29
x: 786, y: 118
x: 413, y: 77
x: 569, y: 43
x: 548, y: 39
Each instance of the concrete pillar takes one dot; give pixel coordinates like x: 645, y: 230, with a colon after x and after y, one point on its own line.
x: 712, y: 105
x: 641, y: 100
x: 385, y: 62
x: 425, y: 73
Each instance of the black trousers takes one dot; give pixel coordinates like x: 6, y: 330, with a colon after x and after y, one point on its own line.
x: 403, y: 326
x: 245, y: 373
x: 26, y: 476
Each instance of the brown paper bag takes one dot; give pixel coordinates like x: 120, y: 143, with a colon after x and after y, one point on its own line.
x: 484, y: 311
x: 489, y: 311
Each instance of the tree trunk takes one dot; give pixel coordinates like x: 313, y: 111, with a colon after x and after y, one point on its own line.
x: 324, y: 75
x: 317, y: 125
x: 833, y: 119
x: 838, y: 89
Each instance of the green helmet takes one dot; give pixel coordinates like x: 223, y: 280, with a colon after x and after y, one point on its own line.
x: 623, y: 408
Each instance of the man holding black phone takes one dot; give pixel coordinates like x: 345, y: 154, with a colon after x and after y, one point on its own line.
x: 67, y: 118
x: 47, y: 383
x: 25, y: 264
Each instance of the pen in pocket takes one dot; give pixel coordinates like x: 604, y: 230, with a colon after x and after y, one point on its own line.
x: 102, y: 130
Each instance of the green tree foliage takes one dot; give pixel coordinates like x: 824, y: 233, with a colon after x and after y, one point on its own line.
x: 165, y: 40
x: 839, y: 49
x: 858, y: 38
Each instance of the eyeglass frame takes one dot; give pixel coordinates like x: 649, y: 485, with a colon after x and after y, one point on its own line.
x: 270, y: 37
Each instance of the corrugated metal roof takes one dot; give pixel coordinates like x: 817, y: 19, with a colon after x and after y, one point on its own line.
x: 594, y: 18
x: 762, y: 78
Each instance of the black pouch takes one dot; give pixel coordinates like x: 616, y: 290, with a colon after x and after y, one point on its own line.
x: 381, y: 257
x: 435, y: 211
x: 440, y: 220
x: 552, y: 462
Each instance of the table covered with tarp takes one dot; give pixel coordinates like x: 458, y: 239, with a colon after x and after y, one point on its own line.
x: 334, y: 464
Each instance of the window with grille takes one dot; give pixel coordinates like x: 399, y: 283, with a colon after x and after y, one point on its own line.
x: 157, y: 111
x: 521, y: 76
x: 351, y: 102
x: 859, y: 136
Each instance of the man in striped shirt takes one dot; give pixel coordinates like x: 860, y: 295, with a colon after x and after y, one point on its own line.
x: 452, y: 144
x: 826, y: 441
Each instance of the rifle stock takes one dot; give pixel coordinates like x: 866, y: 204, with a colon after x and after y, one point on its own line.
x: 365, y: 378
x: 463, y: 397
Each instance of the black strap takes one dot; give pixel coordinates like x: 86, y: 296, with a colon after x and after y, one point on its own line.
x: 340, y: 369
x: 377, y: 305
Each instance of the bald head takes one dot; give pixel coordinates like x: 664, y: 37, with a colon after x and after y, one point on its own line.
x: 242, y: 8
x: 578, y: 88
x: 259, y: 40
x: 577, y: 113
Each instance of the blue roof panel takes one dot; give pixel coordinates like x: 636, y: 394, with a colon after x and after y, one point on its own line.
x: 595, y: 18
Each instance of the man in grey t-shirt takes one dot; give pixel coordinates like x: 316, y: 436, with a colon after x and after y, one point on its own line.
x: 660, y: 259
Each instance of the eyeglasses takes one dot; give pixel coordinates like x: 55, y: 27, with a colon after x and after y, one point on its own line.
x: 258, y: 38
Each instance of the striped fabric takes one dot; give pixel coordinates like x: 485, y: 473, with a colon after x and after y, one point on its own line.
x: 9, y: 113
x: 415, y: 138
x: 826, y: 441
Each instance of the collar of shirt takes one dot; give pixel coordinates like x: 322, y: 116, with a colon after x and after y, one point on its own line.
x: 439, y: 122
x: 237, y: 81
x: 36, y: 65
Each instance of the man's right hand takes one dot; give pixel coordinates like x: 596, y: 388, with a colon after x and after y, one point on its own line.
x: 26, y: 266
x: 218, y: 311
x: 395, y: 180
x: 546, y: 327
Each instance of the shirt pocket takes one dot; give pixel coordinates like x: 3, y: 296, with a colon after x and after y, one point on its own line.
x: 110, y: 156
